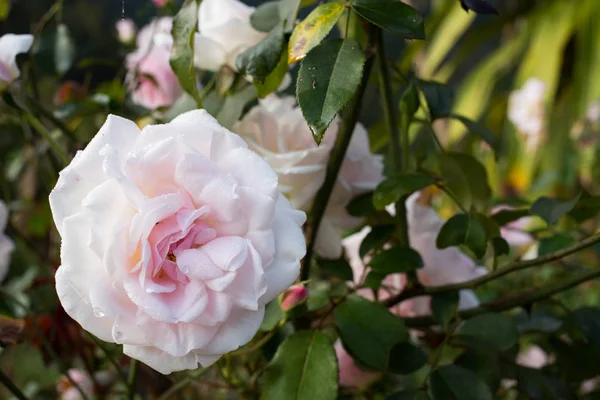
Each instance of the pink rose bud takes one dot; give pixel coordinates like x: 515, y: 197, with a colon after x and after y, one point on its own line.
x: 294, y: 296
x: 160, y: 3
x: 125, y: 30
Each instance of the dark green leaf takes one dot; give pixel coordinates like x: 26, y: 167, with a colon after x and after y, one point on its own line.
x: 501, y: 246
x: 409, y: 101
x: 466, y: 178
x: 484, y: 364
x: 266, y: 17
x: 185, y: 25
x: 504, y: 217
x: 234, y: 105
x: 338, y: 268
x: 275, y: 78
x: 327, y: 80
x: 304, y: 368
x: 457, y: 383
x: 375, y: 239
x: 394, y: 188
x: 361, y: 205
x: 551, y: 210
x: 481, y: 131
x: 406, y: 359
x: 493, y: 331
x: 260, y: 60
x: 371, y: 343
x: 479, y: 6
x: 440, y: 98
x: 408, y: 395
x: 587, y: 207
x: 373, y: 280
x: 538, y: 320
x: 393, y: 16
x: 538, y: 385
x: 553, y: 243
x: 444, y: 307
x: 288, y: 11
x: 465, y: 230
x: 273, y: 316
x: 588, y: 320
x: 396, y: 260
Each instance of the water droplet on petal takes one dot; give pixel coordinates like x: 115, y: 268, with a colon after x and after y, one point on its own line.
x: 98, y: 312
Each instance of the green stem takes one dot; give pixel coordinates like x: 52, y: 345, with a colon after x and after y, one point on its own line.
x: 131, y: 379
x: 5, y: 380
x: 349, y: 120
x: 110, y: 357
x: 52, y: 118
x: 513, y: 267
x: 527, y: 297
x: 37, y: 125
x: 175, y: 388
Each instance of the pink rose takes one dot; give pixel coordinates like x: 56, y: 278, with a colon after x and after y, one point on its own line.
x: 514, y: 232
x: 294, y: 296
x: 173, y: 240
x: 68, y: 391
x: 6, y: 245
x: 277, y: 130
x: 152, y: 82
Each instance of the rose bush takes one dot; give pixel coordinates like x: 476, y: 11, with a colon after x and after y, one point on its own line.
x: 173, y: 240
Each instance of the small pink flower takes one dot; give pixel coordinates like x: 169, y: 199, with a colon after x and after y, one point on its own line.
x: 68, y: 391
x: 152, y: 82
x: 125, y: 30
x: 293, y: 296
x: 174, y: 238
x: 534, y: 357
x: 160, y: 3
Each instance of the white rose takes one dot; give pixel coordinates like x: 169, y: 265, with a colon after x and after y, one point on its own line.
x: 173, y: 240
x: 224, y: 32
x: 10, y: 46
x: 277, y: 131
x: 6, y: 245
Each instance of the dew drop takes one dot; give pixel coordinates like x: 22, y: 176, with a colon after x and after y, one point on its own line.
x: 117, y: 335
x: 98, y: 312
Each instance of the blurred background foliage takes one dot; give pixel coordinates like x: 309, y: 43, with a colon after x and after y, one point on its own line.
x: 77, y: 71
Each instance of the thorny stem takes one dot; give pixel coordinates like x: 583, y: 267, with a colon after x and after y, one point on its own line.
x: 349, y: 120
x: 5, y: 380
x: 513, y: 267
x: 510, y: 302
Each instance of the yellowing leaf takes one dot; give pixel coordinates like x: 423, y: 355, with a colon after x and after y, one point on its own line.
x: 312, y: 30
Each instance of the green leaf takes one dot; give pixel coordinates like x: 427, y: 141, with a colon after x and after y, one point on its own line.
x: 553, y: 243
x: 262, y: 59
x: 408, y: 395
x: 310, y: 32
x: 371, y: 343
x: 361, y: 205
x: 484, y: 364
x: 396, y: 260
x: 479, y: 130
x: 500, y: 246
x: 444, y: 307
x: 373, y: 280
x: 185, y: 25
x: 394, y: 188
x: 457, y: 383
x: 439, y: 97
x: 273, y: 316
x: 328, y: 78
x: 274, y: 80
x: 552, y: 210
x: 588, y: 320
x: 338, y: 268
x: 406, y: 359
x: 393, y: 16
x: 288, y: 11
x: 375, y: 239
x: 492, y: 331
x: 304, y: 368
x: 4, y: 9
x: 538, y: 320
x: 466, y: 178
x: 537, y: 385
x: 505, y: 217
x: 463, y: 229
x: 409, y: 105
x: 266, y: 17
x: 234, y: 105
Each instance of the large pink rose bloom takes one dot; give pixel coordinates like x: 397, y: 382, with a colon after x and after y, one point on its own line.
x: 441, y: 266
x: 152, y: 82
x: 173, y: 240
